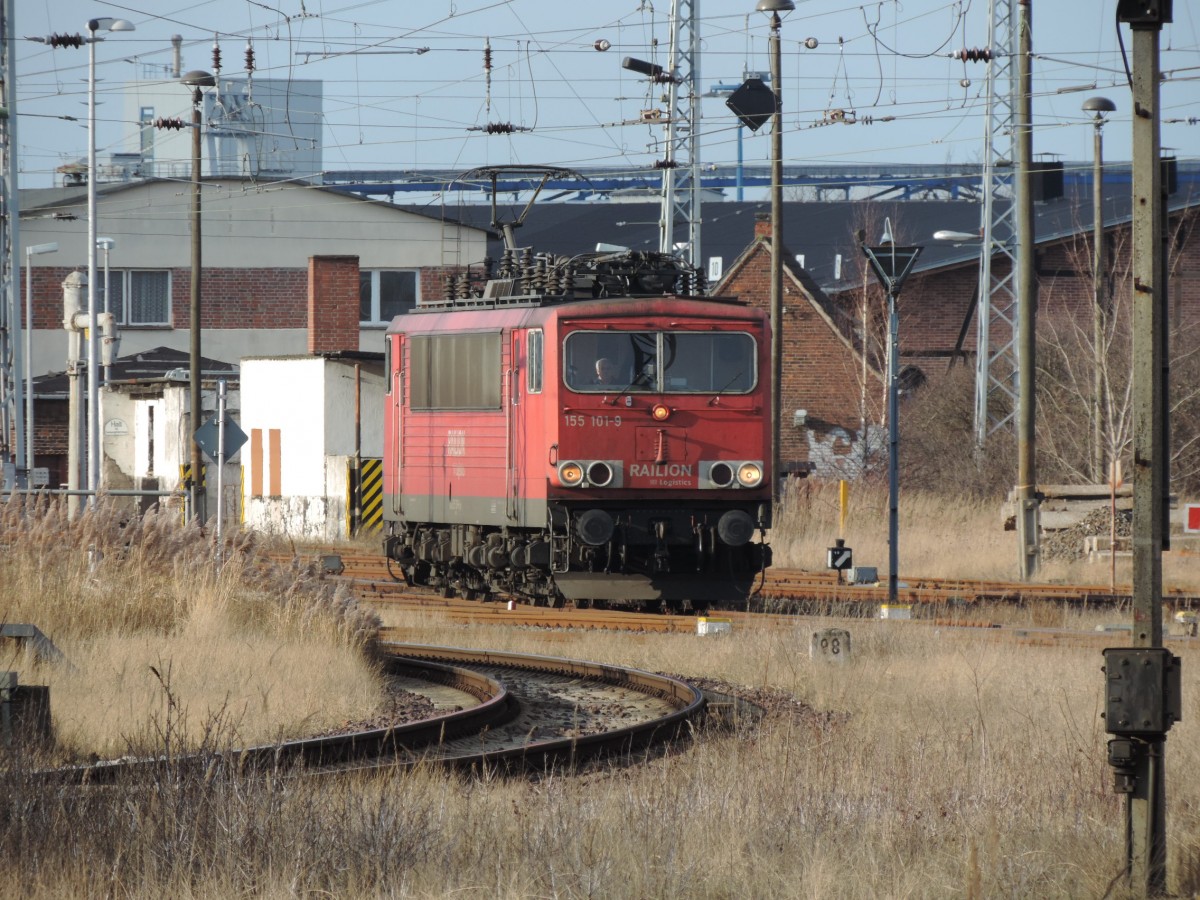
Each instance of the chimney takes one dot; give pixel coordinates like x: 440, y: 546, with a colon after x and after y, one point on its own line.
x: 333, y: 307
x: 177, y: 55
x: 762, y: 224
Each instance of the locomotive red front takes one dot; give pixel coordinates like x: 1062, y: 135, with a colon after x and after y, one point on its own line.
x: 592, y: 451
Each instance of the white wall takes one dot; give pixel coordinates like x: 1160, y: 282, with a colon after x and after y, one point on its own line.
x: 311, y: 402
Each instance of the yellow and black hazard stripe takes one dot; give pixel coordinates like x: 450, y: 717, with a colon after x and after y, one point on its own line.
x: 365, y: 504
x: 185, y: 475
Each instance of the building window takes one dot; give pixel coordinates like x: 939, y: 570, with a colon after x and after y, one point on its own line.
x: 384, y: 294
x: 139, y: 296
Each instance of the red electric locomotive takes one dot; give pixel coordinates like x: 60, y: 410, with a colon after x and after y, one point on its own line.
x: 597, y: 443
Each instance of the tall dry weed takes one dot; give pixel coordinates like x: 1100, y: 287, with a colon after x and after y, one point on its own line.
x: 938, y: 536
x: 274, y: 650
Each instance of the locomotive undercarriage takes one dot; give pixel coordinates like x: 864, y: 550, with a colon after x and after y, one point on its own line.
x: 686, y: 558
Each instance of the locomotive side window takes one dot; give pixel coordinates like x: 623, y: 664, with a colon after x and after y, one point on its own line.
x: 670, y: 362
x: 533, y: 370
x: 455, y: 371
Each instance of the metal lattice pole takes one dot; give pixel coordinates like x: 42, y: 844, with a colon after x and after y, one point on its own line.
x: 996, y: 366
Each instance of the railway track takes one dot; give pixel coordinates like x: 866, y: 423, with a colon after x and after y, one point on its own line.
x: 500, y: 711
x: 782, y: 590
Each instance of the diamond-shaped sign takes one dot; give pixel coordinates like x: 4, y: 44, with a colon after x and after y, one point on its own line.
x: 753, y: 103
x: 208, y: 436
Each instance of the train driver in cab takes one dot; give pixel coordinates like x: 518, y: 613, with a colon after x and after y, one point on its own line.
x: 606, y: 371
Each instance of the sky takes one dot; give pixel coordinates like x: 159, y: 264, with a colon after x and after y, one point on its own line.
x: 405, y: 84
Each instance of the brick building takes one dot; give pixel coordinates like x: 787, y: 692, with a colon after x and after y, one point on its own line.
x: 257, y: 239
x: 255, y: 284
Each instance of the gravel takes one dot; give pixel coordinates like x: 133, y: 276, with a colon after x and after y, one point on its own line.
x: 1068, y: 543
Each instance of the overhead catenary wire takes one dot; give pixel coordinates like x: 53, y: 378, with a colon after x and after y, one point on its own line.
x: 549, y: 57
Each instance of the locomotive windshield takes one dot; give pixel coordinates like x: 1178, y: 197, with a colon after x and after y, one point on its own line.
x: 666, y: 362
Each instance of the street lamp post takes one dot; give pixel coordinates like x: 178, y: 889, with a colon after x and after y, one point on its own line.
x: 196, y: 80
x: 892, y: 266
x: 775, y: 7
x: 30, y: 252
x: 93, y: 413
x: 1099, y: 106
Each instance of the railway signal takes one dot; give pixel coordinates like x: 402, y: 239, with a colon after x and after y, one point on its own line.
x: 839, y: 556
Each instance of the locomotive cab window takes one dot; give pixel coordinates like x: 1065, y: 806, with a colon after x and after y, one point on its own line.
x: 666, y: 362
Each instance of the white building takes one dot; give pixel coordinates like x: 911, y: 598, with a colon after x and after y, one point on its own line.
x: 306, y: 431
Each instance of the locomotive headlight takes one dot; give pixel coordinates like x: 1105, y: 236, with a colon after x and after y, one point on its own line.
x: 570, y: 474
x: 749, y: 474
x: 600, y: 474
x: 660, y: 412
x: 721, y: 474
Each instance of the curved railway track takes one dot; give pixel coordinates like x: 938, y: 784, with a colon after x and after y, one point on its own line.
x: 521, y: 713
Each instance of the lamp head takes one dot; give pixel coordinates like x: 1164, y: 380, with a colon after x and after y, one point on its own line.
x: 108, y: 23
x: 775, y: 6
x: 198, y: 78
x: 1099, y: 106
x: 39, y: 249
x: 946, y: 234
x: 105, y: 243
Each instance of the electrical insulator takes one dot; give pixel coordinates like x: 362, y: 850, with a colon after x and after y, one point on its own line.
x: 216, y: 56
x: 66, y: 40
x: 973, y: 54
x: 499, y: 128
x: 249, y: 58
x: 487, y: 56
x: 173, y: 123
x: 602, y: 45
x: 665, y: 164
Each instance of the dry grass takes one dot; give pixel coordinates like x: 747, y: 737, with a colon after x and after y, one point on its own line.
x: 938, y: 537
x: 142, y: 609
x: 956, y: 763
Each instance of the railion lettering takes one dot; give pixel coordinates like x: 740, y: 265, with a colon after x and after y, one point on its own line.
x: 649, y: 470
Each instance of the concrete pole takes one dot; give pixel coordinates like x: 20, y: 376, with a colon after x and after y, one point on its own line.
x: 18, y: 357
x: 93, y: 392
x: 197, y: 486
x: 776, y: 257
x: 1027, y: 303
x: 1147, y: 816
